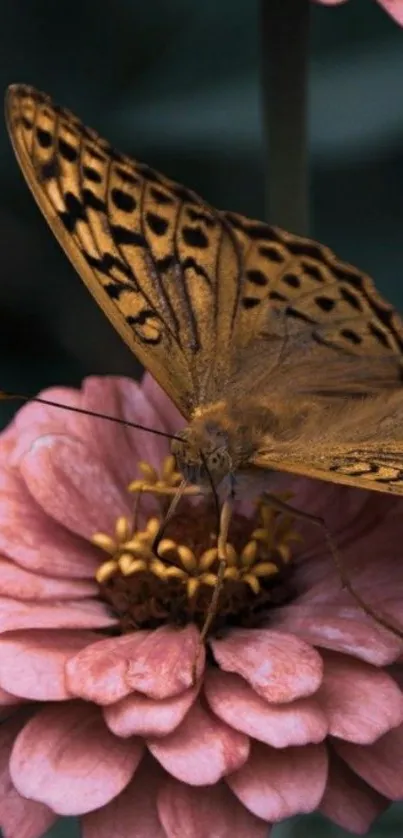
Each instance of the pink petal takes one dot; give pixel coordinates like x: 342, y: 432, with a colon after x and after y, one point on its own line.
x: 380, y: 764
x: 278, y: 784
x: 345, y: 629
x: 361, y: 702
x: 348, y: 801
x: 66, y: 757
x: 72, y: 486
x: 170, y: 417
x: 39, y: 419
x: 119, y: 446
x: 87, y: 614
x: 25, y: 525
x: 205, y: 812
x: 32, y: 663
x: 395, y: 9
x: 158, y: 663
x: 140, y: 715
x: 7, y: 698
x: 201, y: 750
x: 135, y: 808
x: 278, y: 666
x: 19, y: 818
x: 18, y: 583
x: 236, y: 703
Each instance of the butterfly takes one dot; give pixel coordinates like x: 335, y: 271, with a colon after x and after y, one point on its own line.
x: 279, y: 356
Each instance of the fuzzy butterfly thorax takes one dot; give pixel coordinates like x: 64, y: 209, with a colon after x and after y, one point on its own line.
x: 222, y: 440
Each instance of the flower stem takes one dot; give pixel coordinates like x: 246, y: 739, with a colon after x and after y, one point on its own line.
x: 284, y: 30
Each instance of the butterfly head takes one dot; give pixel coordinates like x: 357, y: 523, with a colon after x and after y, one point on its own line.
x: 202, y: 454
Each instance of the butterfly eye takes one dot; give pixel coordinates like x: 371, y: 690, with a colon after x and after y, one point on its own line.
x: 219, y: 462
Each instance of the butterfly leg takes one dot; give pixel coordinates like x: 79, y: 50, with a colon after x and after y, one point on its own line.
x: 316, y: 520
x: 225, y: 520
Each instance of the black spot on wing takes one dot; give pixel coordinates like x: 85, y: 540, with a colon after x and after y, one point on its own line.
x: 250, y: 302
x: 195, y: 237
x: 161, y: 197
x: 156, y: 223
x: 184, y: 195
x: 351, y: 336
x: 257, y: 277
x: 271, y: 253
x: 292, y: 280
x: 325, y: 303
x: 124, y: 235
x: 196, y: 215
x: 277, y: 297
x: 123, y: 201
x: 73, y: 212
x: 254, y: 229
x: 67, y: 151
x: 126, y: 177
x: 106, y: 263
x: 350, y: 298
x: 95, y: 154
x: 50, y: 169
x: 44, y: 137
x: 379, y: 335
x: 312, y: 271
x: 148, y: 173
x: 92, y: 174
x: 115, y: 289
x: 92, y: 201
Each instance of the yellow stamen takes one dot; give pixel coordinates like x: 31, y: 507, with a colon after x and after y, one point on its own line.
x: 166, y: 545
x: 231, y: 573
x: 208, y: 558
x: 129, y: 566
x: 249, y: 552
x: 265, y: 569
x: 158, y: 568
x: 173, y: 572
x: 192, y: 586
x: 253, y: 583
x: 187, y: 557
x: 106, y: 571
x: 209, y: 579
x: 105, y: 542
x: 122, y: 529
x: 149, y: 473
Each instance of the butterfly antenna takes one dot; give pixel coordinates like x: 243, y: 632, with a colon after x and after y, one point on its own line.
x: 282, y: 506
x: 4, y: 396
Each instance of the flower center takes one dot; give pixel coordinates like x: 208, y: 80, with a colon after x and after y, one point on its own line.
x: 175, y: 582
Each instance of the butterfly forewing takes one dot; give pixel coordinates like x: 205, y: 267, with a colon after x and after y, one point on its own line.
x: 212, y: 303
x: 149, y: 250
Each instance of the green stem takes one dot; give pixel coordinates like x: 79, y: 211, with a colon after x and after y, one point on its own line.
x: 284, y: 28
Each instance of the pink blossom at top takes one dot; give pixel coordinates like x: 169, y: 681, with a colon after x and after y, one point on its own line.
x: 301, y: 713
x: 393, y: 7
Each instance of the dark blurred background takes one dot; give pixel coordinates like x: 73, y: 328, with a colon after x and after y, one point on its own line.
x: 177, y: 85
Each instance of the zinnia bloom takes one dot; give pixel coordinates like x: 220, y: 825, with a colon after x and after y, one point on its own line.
x: 296, y: 704
x: 394, y: 7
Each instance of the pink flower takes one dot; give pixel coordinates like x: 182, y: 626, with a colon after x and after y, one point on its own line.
x: 297, y: 705
x: 394, y: 7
